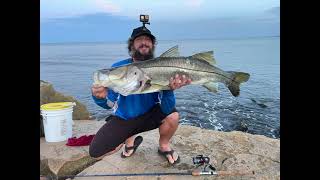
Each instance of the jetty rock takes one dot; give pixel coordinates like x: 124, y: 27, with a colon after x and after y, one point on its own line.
x: 49, y: 95
x: 239, y: 155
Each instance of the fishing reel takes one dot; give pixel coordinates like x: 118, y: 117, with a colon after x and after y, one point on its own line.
x: 201, y: 160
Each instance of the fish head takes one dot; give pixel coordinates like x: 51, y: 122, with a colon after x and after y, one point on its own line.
x: 124, y: 80
x: 135, y: 74
x: 141, y: 79
x: 131, y: 82
x: 110, y: 77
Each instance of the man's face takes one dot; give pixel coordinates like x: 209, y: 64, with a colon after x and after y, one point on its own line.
x: 142, y: 48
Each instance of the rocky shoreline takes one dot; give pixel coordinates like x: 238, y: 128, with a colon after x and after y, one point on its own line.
x: 234, y: 151
x: 228, y: 151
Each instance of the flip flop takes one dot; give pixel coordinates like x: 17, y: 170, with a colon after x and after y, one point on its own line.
x: 137, y: 141
x: 165, y: 153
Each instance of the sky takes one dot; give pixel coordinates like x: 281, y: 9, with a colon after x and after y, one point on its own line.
x: 113, y: 21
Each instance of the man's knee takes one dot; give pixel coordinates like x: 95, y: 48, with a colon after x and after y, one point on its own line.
x: 173, y: 118
x: 96, y: 152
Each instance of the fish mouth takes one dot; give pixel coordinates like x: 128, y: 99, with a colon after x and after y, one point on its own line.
x: 100, y: 76
x: 108, y: 76
x: 104, y: 71
x: 128, y: 88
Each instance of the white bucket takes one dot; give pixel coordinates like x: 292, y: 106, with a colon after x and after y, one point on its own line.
x: 57, y: 121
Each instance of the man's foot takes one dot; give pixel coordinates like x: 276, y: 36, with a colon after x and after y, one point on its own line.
x: 129, y: 151
x: 171, y: 156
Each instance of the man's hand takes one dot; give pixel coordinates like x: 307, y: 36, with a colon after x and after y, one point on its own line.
x: 178, y: 81
x: 99, y: 92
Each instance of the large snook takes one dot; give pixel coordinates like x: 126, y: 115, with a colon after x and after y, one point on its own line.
x: 153, y: 75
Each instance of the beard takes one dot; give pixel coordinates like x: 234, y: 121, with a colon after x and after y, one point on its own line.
x: 137, y: 55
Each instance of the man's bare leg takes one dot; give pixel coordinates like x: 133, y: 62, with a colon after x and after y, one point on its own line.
x: 166, y: 130
x: 129, y: 143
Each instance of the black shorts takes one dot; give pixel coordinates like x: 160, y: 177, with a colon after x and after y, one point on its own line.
x: 116, y: 130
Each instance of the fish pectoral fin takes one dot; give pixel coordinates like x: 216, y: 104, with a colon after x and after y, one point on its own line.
x: 205, y: 56
x: 146, y: 77
x: 144, y: 85
x: 154, y: 88
x: 172, y: 52
x: 211, y: 86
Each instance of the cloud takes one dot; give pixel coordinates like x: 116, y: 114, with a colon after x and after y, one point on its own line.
x: 194, y: 3
x: 107, y: 6
x: 274, y: 11
x: 52, y: 9
x: 87, y: 28
x: 105, y: 27
x: 270, y: 15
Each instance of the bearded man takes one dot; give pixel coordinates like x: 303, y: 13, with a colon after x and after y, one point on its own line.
x: 137, y: 113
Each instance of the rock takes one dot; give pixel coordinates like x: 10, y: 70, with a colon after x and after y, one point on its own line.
x: 58, y: 159
x: 232, y: 152
x: 49, y: 95
x: 277, y: 132
x: 242, y: 127
x: 259, y: 103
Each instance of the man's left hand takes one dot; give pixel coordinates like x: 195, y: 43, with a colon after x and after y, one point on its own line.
x: 178, y: 81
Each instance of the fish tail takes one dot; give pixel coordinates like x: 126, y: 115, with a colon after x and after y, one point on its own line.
x: 236, y: 79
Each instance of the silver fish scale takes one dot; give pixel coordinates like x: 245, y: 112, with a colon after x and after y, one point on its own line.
x: 179, y: 62
x: 198, y: 70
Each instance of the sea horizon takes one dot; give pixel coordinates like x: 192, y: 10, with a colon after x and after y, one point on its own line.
x: 161, y: 40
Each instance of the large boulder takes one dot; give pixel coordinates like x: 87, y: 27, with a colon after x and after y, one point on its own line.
x: 234, y: 153
x: 58, y: 159
x: 49, y: 95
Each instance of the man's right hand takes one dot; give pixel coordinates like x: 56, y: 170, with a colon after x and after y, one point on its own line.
x: 99, y: 92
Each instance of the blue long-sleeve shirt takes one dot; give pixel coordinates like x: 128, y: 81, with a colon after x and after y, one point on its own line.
x: 131, y: 106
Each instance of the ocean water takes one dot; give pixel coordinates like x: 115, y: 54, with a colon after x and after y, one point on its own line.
x: 69, y: 67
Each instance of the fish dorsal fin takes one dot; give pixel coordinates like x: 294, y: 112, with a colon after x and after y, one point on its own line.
x: 172, y: 52
x: 205, y: 56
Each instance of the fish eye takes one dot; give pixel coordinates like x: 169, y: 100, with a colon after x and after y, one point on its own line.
x: 135, y: 73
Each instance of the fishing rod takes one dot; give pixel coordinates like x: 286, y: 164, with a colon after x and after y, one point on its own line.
x: 122, y: 174
x: 192, y: 173
x: 199, y: 160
